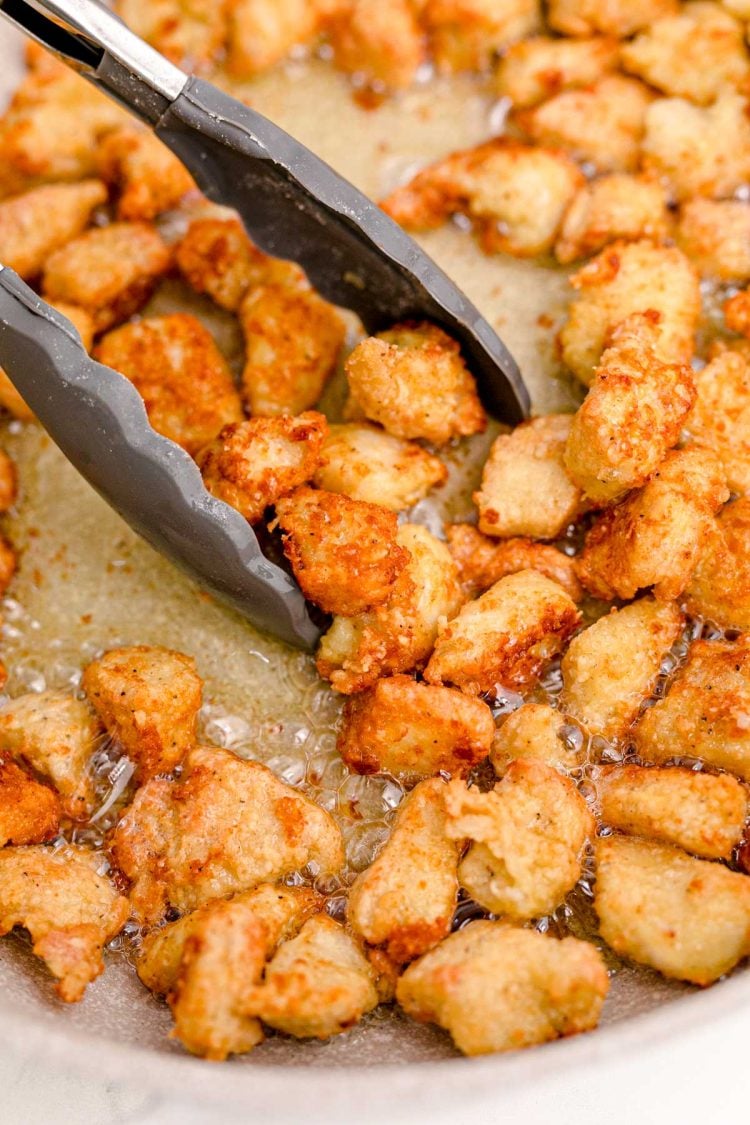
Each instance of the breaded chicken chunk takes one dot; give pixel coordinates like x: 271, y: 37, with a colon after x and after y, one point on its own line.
x: 699, y: 812
x: 540, y: 733
x: 405, y: 900
x: 715, y: 235
x: 497, y: 987
x: 365, y: 463
x: 38, y: 222
x: 379, y: 41
x: 29, y: 811
x: 68, y: 906
x: 537, y: 68
x: 704, y: 714
x: 611, y: 668
x: 191, y: 33
x: 399, y: 635
x: 632, y: 416
x: 253, y: 464
x: 8, y: 482
x: 720, y: 418
x: 610, y: 208
x: 227, y: 825
x: 7, y: 570
x: 483, y: 561
x: 467, y: 34
x: 148, y: 176
x: 292, y: 340
x: 527, y: 837
x: 506, y: 637
x: 720, y: 586
x: 109, y: 271
x: 686, y: 917
x: 620, y: 18
x: 263, y: 32
x: 413, y: 381
x: 414, y: 730
x: 657, y: 536
x: 737, y: 317
x: 55, y: 734
x: 184, y: 381
x: 525, y: 488
x: 626, y: 278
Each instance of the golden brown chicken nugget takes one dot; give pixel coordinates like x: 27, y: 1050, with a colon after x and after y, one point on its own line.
x: 467, y: 34
x: 191, y: 33
x: 533, y: 70
x: 612, y: 208
x: 379, y: 41
x: 620, y: 18
x: 29, y: 811
x: 148, y: 176
x: 540, y: 733
x: 483, y: 561
x: 720, y: 585
x: 38, y: 222
x: 720, y: 418
x: 8, y: 482
x: 715, y: 235
x: 263, y: 32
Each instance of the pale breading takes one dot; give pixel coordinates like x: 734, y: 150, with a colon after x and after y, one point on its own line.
x: 720, y: 586
x: 527, y: 838
x: 506, y: 637
x: 700, y: 812
x: 55, y: 734
x: 185, y: 382
x: 8, y: 482
x: 191, y: 33
x: 227, y: 825
x: 497, y: 987
x: 533, y: 70
x: 626, y: 278
x: 720, y: 418
x: 263, y: 32
x: 525, y: 487
x: 29, y: 811
x: 618, y: 206
x: 147, y: 176
x: 70, y: 909
x: 715, y: 235
x: 252, y: 464
x: 540, y: 733
x: 381, y: 42
x: 38, y: 222
x: 687, y: 918
x: 405, y: 900
x: 611, y: 668
x: 108, y: 271
x: 467, y: 34
x: 399, y: 635
x: 738, y: 8
x: 632, y: 415
x: 483, y: 561
x: 620, y: 18
x: 413, y: 730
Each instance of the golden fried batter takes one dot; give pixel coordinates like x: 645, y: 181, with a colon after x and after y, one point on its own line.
x: 482, y: 561
x: 149, y: 177
x: 38, y: 222
x: 189, y: 32
x: 378, y: 41
x: 29, y: 811
x: 536, y: 732
x: 611, y: 208
x: 467, y: 34
x: 610, y: 17
x: 533, y: 70
x: 737, y: 314
x: 263, y: 32
x: 720, y: 586
x: 8, y: 482
x: 715, y: 235
x: 720, y: 418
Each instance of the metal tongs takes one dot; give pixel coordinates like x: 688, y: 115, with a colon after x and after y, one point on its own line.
x: 294, y: 206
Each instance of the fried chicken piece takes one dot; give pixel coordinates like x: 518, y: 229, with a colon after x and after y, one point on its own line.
x: 38, y: 222
x: 720, y: 418
x: 379, y: 41
x: 657, y: 536
x: 184, y: 381
x: 632, y: 416
x: 293, y: 339
x: 413, y: 381
x: 616, y: 207
x: 252, y: 464
x: 263, y: 32
x: 399, y: 635
x: 191, y: 33
x: 601, y: 125
x: 7, y: 570
x: 620, y: 18
x: 715, y: 235
x: 482, y: 561
x: 611, y: 668
x: 227, y: 825
x: 467, y: 34
x: 527, y: 837
x: 720, y: 586
x: 8, y: 482
x: 414, y: 730
x: 536, y: 732
x: 55, y: 734
x: 405, y: 900
x: 29, y: 811
x: 525, y: 488
x: 699, y: 812
x: 70, y: 909
x: 507, y: 636
x: 149, y: 177
x: 627, y: 278
x: 687, y: 918
x: 537, y: 68
x: 108, y: 271
x: 737, y: 315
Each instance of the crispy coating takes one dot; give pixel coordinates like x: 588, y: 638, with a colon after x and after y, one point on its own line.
x: 8, y: 482
x: 7, y: 570
x: 615, y: 207
x: 704, y: 714
x: 262, y: 32
x: 227, y: 825
x: 698, y: 150
x: 482, y: 561
x: 292, y: 339
x: 253, y: 464
x: 147, y: 698
x: 715, y: 235
x: 525, y: 488
x: 108, y: 271
x: 612, y: 667
x: 686, y: 917
x: 632, y: 415
x: 626, y: 278
x: 38, y: 222
x: 694, y: 54
x: 149, y: 177
x: 601, y: 125
x: 414, y: 730
x: 184, y: 381
x: 379, y: 41
x: 507, y: 636
x: 720, y: 586
x: 537, y: 68
x: 29, y: 811
x: 467, y: 34
x: 497, y: 987
x: 699, y: 812
x: 657, y: 536
x: 620, y: 18
x: 527, y: 837
x: 413, y: 381
x: 189, y: 32
x: 720, y: 418
x: 70, y: 909
x: 737, y: 313
x: 55, y: 735
x: 536, y: 732
x: 405, y: 900
x: 399, y: 635
x: 365, y: 463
